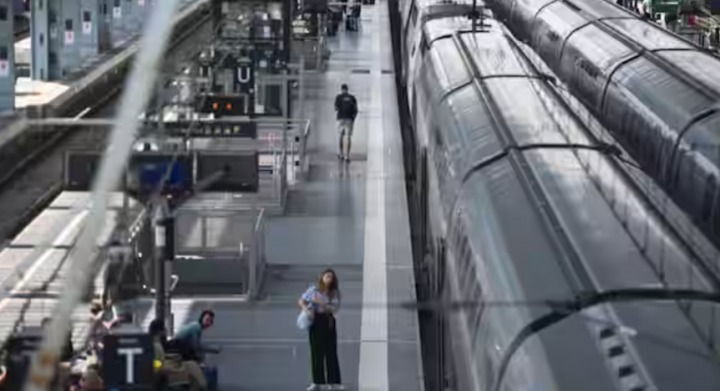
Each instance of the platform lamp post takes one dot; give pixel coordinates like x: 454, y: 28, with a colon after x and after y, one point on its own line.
x: 163, y: 209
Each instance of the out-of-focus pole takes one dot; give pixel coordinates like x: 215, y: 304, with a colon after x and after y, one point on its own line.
x: 134, y: 101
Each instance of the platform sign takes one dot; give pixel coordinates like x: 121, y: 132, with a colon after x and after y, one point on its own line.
x: 245, y: 78
x: 117, y: 12
x: 69, y: 37
x: 214, y: 129
x: 128, y: 362
x: 4, y: 62
x: 87, y: 22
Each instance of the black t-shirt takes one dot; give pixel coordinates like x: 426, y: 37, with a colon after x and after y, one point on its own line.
x: 346, y: 106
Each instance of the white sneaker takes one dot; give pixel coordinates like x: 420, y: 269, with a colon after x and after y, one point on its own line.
x: 313, y: 387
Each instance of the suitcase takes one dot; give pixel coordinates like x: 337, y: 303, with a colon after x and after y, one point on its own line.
x: 211, y: 375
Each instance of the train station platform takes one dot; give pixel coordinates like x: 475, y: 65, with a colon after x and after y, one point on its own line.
x: 352, y: 217
x: 349, y: 217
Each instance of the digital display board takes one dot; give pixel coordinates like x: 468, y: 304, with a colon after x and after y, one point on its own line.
x: 148, y: 171
x: 227, y: 129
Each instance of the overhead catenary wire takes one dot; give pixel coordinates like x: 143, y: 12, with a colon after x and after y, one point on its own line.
x: 133, y: 102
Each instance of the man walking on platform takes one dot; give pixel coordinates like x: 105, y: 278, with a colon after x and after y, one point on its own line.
x: 346, y: 108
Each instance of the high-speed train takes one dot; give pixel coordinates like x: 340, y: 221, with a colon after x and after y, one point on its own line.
x: 521, y: 208
x: 658, y: 94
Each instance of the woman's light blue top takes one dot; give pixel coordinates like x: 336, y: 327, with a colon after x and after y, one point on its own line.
x: 310, y: 294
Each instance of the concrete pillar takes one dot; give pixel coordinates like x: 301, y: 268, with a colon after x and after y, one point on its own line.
x: 121, y: 15
x: 105, y: 28
x: 89, y: 37
x: 7, y: 56
x: 54, y: 38
x: 40, y: 28
x: 69, y: 32
x: 137, y: 15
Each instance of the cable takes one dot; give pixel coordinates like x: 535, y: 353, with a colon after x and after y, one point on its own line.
x: 134, y: 100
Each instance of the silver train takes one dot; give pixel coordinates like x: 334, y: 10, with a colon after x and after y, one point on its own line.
x: 657, y: 93
x: 517, y: 214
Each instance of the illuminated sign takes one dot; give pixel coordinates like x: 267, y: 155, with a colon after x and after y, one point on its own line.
x: 213, y: 129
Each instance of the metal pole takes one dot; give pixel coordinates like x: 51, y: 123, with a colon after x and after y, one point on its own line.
x: 159, y: 262
x: 167, y: 271
x: 142, y: 79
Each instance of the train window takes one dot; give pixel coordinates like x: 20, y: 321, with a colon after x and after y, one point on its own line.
x: 413, y: 14
x: 477, y: 296
x: 41, y: 39
x: 52, y: 58
x: 709, y: 197
x: 590, y: 69
x: 469, y: 274
x: 69, y: 25
x: 3, y: 53
x: 438, y: 138
x: 3, y: 12
x: 104, y: 8
x: 86, y: 16
x: 40, y: 4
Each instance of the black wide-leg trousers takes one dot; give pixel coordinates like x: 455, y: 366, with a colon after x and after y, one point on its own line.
x: 323, y: 350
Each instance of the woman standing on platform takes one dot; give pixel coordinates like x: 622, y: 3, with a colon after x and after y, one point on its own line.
x: 322, y: 302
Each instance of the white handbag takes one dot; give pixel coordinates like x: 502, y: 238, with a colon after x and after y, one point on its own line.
x: 304, y: 320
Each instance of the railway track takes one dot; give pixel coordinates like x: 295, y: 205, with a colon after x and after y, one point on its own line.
x: 32, y: 167
x: 38, y: 180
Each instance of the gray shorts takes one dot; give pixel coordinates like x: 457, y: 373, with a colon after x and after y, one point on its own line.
x: 345, y: 125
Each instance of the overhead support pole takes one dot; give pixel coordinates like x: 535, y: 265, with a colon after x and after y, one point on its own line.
x: 7, y: 56
x: 165, y: 241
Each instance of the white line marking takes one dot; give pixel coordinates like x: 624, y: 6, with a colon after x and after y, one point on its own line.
x: 59, y: 240
x: 82, y: 114
x: 373, y: 369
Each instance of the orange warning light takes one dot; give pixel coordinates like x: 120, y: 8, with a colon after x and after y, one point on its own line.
x: 215, y: 106
x: 228, y: 106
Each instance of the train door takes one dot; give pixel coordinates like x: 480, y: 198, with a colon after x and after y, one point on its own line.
x: 408, y: 40
x: 422, y: 197
x: 440, y: 316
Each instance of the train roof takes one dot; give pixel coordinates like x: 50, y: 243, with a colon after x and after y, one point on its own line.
x: 563, y: 220
x: 673, y: 79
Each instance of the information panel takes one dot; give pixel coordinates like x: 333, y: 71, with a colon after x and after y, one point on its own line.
x: 228, y: 129
x: 149, y: 170
x: 243, y: 171
x: 128, y: 362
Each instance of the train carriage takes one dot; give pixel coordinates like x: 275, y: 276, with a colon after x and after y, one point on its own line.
x: 657, y: 93
x: 522, y: 205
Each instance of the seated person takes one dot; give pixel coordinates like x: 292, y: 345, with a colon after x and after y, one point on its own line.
x: 175, y: 371
x: 188, y: 340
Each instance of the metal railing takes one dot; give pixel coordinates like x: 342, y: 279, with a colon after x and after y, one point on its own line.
x: 224, y: 245
x: 257, y: 261
x: 294, y: 131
